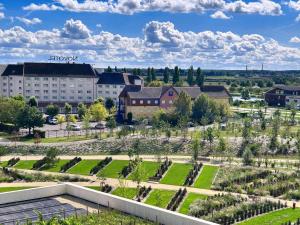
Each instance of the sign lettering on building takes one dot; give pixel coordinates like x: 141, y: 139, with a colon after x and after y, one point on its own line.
x: 63, y: 58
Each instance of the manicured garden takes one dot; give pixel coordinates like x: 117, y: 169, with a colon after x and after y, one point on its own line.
x: 191, y: 197
x: 125, y: 192
x: 274, y: 218
x: 160, y: 198
x: 83, y: 168
x: 114, y: 169
x: 206, y: 177
x: 177, y: 174
x: 148, y: 170
x: 56, y: 166
x: 25, y: 164
x: 8, y: 189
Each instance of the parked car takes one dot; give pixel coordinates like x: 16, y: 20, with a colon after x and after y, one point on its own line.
x: 74, y: 127
x: 51, y: 120
x: 100, y: 126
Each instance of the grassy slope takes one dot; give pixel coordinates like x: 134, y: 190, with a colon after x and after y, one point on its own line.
x: 177, y: 174
x: 274, y: 218
x: 84, y: 167
x: 189, y: 200
x: 113, y: 169
x: 160, y: 198
x: 129, y: 193
x: 206, y: 177
x: 56, y: 167
x: 25, y: 164
x: 149, y: 169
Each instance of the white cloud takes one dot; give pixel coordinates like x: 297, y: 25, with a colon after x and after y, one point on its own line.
x: 262, y: 7
x: 75, y: 29
x: 28, y: 22
x: 161, y: 45
x: 219, y: 15
x: 297, y: 19
x: 99, y: 25
x: 295, y: 40
x: 294, y: 5
x: 42, y: 7
x: 2, y: 16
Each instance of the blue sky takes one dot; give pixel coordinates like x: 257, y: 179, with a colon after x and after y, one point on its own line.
x: 139, y: 33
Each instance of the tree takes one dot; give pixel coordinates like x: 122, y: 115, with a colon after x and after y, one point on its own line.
x: 111, y: 123
x: 176, y: 75
x: 138, y: 175
x: 149, y: 76
x: 195, y: 146
x: 109, y: 104
x: 109, y: 69
x: 9, y: 109
x: 183, y: 105
x: 247, y: 157
x: 153, y: 74
x: 199, y: 77
x: 98, y: 112
x: 166, y: 75
x: 222, y: 146
x: 30, y: 117
x: 86, y: 122
x: 60, y: 120
x: 210, y: 136
x: 190, y: 76
x: 68, y: 109
x: 129, y: 117
x: 32, y: 102
x: 3, y: 151
x: 245, y: 94
x: 81, y: 110
x: 52, y: 110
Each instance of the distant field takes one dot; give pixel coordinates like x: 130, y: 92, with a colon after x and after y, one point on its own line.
x: 177, y: 174
x: 129, y: 193
x: 274, y: 218
x: 113, y: 169
x: 83, y: 167
x: 56, y: 167
x: 189, y: 200
x: 148, y: 168
x: 160, y: 198
x: 25, y: 164
x: 206, y: 177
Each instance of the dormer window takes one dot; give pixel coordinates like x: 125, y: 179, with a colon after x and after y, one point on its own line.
x: 171, y: 93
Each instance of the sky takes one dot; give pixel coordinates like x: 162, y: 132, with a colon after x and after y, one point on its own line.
x: 211, y: 34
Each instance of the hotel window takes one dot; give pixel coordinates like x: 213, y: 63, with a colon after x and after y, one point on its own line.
x: 37, y: 91
x: 114, y: 92
x: 37, y: 97
x: 4, y: 84
x: 107, y: 86
x: 79, y: 92
x: 99, y: 92
x: 28, y: 85
x: 45, y: 78
x: 62, y: 97
x: 72, y: 97
x: 80, y: 85
x: 27, y: 91
x: 28, y: 78
x: 20, y: 82
x: 79, y: 97
x: 64, y: 85
x: 45, y: 85
x: 54, y: 97
x: 72, y: 91
x: 100, y: 85
x: 36, y: 85
x: 54, y: 85
x: 11, y: 84
x: 171, y: 93
x: 20, y: 88
x: 114, y: 86
x: 122, y: 86
x: 63, y: 91
x: 89, y: 97
x: 46, y: 91
x: 133, y: 102
x: 10, y: 78
x: 36, y: 78
x: 4, y: 90
x: 163, y: 101
x: 54, y: 78
x: 141, y: 101
x: 54, y: 91
x: 148, y: 102
x: 45, y: 97
x: 107, y: 92
x: 88, y: 92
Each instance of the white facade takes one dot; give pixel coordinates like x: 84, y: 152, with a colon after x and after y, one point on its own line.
x: 109, y: 91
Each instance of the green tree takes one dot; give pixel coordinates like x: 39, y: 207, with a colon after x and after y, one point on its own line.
x: 60, y: 120
x: 86, y: 122
x: 190, y: 76
x: 68, y: 109
x: 30, y: 117
x: 109, y: 104
x: 111, y: 123
x: 109, y: 69
x: 98, y: 112
x: 195, y: 146
x: 166, y: 75
x: 183, y: 105
x: 245, y: 94
x: 210, y: 137
x: 9, y: 109
x: 149, y: 76
x: 222, y: 146
x: 153, y: 74
x: 176, y: 75
x: 247, y: 157
x: 199, y: 77
x: 32, y: 102
x: 52, y: 110
x: 3, y: 152
x: 81, y: 110
x: 204, y: 107
x: 129, y: 117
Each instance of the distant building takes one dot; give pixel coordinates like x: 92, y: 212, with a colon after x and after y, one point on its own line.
x: 144, y: 101
x: 283, y: 95
x: 59, y: 83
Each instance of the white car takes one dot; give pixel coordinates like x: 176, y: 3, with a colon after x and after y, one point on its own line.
x: 74, y: 127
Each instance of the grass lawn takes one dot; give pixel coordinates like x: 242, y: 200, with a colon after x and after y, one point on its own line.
x: 274, y: 218
x: 56, y: 139
x: 206, y: 177
x: 189, y: 200
x: 177, y: 174
x: 129, y: 193
x: 25, y: 164
x: 56, y: 167
x: 160, y: 198
x: 83, y: 167
x: 113, y: 169
x: 148, y: 170
x: 8, y: 189
x: 3, y: 163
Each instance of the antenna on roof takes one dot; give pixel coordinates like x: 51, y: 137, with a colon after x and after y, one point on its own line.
x: 262, y: 67
x: 246, y: 67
